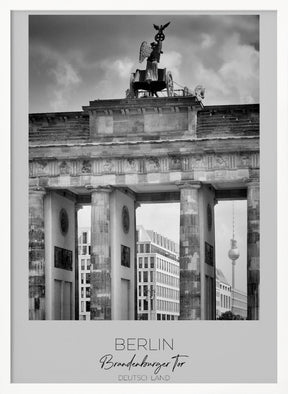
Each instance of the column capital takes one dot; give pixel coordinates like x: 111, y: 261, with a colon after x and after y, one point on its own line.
x: 37, y: 189
x: 253, y: 182
x: 137, y: 205
x: 188, y: 184
x: 104, y: 188
x: 254, y: 177
x: 127, y: 191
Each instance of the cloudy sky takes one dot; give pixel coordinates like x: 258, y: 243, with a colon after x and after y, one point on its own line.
x: 77, y: 58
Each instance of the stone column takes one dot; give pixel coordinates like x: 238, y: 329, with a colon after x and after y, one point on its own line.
x: 36, y: 254
x: 77, y: 208
x: 190, y: 289
x: 136, y: 205
x: 100, y: 285
x: 253, y: 249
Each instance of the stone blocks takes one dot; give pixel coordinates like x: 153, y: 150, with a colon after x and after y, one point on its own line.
x: 36, y: 255
x: 100, y: 285
x: 190, y: 285
x: 253, y: 250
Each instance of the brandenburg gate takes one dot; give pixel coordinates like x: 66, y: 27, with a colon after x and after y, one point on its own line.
x: 115, y: 154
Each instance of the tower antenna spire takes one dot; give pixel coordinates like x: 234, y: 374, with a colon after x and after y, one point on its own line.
x: 233, y: 253
x: 233, y: 220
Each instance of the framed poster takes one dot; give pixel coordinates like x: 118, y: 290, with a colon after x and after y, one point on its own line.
x: 191, y: 124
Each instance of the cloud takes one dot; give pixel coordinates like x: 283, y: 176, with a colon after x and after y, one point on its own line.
x: 172, y: 62
x: 63, y: 77
x: 240, y: 70
x: 64, y: 74
x: 207, y: 41
x: 122, y: 67
x: 229, y: 71
x: 113, y: 77
x: 66, y: 79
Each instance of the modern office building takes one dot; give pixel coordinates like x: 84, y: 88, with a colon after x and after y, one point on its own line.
x: 239, y: 303
x: 228, y: 299
x: 157, y: 276
x: 84, y: 272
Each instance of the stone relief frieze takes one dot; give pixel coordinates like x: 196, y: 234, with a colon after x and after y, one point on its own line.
x: 244, y: 160
x: 198, y: 162
x: 205, y: 162
x: 64, y: 168
x: 108, y: 165
x: 255, y: 160
x: 164, y: 164
x: 42, y: 165
x: 130, y: 165
x: 152, y: 164
x: 221, y: 161
x: 39, y: 167
x: 175, y: 162
x: 86, y: 167
x: 185, y: 163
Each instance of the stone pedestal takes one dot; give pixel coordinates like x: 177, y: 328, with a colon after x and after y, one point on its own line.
x: 36, y: 254
x: 253, y: 250
x: 100, y: 285
x: 190, y: 289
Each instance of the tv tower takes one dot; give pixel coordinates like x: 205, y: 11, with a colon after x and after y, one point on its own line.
x: 233, y: 253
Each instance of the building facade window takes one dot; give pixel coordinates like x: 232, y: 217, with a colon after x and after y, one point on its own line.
x: 160, y: 267
x: 140, y: 262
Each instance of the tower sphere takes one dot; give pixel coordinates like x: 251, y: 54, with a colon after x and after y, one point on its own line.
x: 233, y: 253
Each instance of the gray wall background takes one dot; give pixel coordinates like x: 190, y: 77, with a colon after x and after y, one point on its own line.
x: 52, y: 351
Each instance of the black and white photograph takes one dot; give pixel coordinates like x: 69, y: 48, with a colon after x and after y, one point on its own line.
x: 144, y: 171
x: 144, y: 215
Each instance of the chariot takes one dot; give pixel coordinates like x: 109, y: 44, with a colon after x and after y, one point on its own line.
x: 138, y: 84
x: 148, y: 82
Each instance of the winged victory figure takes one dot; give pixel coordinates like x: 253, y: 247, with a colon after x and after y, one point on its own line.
x: 152, y: 52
